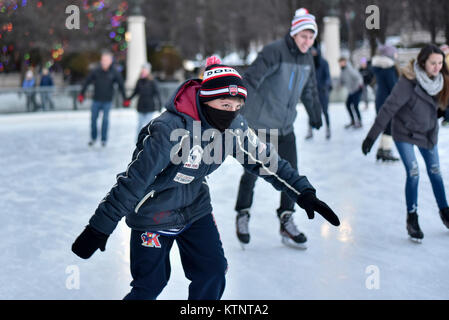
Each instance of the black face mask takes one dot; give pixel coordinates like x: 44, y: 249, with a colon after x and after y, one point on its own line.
x: 219, y: 119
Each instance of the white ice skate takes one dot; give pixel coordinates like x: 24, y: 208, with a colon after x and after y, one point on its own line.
x: 291, y: 236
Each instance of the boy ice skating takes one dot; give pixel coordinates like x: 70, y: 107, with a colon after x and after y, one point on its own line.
x: 166, y: 200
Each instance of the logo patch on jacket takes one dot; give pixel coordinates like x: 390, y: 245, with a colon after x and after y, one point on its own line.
x: 195, y: 156
x: 183, y: 178
x: 150, y: 240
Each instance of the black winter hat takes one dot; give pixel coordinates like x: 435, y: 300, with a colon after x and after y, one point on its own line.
x: 220, y: 81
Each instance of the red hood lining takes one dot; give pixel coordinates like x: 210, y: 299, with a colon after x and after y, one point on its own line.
x: 185, y: 100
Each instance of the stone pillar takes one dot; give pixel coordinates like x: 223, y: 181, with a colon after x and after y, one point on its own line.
x: 137, y: 49
x: 331, y: 44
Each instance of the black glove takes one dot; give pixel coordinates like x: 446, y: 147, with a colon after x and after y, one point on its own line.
x: 367, y: 145
x: 88, y: 242
x: 310, y: 203
x: 440, y: 113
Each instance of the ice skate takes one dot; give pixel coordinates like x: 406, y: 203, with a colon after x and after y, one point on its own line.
x: 385, y: 156
x: 328, y: 133
x: 444, y: 214
x: 290, y: 234
x: 413, y: 229
x: 309, y: 134
x: 241, y: 222
x: 349, y: 125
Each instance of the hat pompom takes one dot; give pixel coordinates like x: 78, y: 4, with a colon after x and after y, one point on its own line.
x: 212, y: 60
x: 301, y: 12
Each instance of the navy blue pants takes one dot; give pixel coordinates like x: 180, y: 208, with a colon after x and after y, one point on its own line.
x: 352, y: 102
x: 202, y: 258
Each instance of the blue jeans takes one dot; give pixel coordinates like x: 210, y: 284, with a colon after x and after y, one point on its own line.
x: 98, y: 106
x: 407, y: 153
x: 202, y: 259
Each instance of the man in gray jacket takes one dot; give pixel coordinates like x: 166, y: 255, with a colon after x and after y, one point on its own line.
x: 352, y: 80
x: 282, y: 74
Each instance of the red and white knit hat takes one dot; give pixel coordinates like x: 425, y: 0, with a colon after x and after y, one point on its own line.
x: 303, y: 20
x: 220, y: 80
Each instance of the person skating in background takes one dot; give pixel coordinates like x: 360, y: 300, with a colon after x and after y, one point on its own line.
x: 166, y: 200
x: 352, y: 80
x: 367, y: 75
x: 412, y: 106
x: 386, y: 74
x: 149, y: 98
x: 282, y: 74
x: 324, y: 83
x: 46, y: 84
x: 103, y: 78
x: 445, y: 122
x: 29, y: 84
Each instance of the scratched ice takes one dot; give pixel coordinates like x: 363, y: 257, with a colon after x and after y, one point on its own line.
x: 51, y: 183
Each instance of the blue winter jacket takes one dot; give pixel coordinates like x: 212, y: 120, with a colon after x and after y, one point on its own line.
x: 164, y: 186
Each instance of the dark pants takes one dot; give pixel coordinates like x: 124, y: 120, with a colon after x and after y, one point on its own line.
x: 324, y: 99
x: 105, y: 107
x: 46, y: 100
x: 31, y: 102
x: 446, y: 115
x: 352, y: 104
x: 202, y: 258
x: 287, y: 151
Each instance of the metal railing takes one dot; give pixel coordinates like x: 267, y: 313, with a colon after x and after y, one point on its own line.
x: 17, y: 100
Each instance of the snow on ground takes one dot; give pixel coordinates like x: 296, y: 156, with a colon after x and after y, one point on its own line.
x: 51, y: 183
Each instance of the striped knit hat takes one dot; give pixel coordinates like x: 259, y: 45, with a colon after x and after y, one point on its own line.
x: 303, y: 20
x: 220, y: 81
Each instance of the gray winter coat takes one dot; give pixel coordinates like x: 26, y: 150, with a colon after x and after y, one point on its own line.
x: 413, y: 112
x: 351, y: 78
x: 276, y: 80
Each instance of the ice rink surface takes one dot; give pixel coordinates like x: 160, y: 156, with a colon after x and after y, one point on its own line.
x: 52, y: 182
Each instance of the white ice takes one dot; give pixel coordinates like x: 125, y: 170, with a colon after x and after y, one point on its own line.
x: 51, y: 183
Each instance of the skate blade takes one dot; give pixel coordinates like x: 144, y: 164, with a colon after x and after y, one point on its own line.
x: 243, y: 245
x: 292, y: 244
x: 415, y: 240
